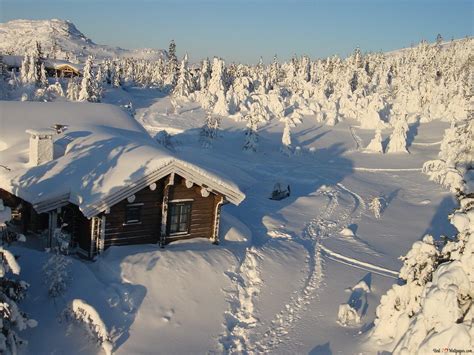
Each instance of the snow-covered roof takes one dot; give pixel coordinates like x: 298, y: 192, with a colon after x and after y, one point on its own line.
x: 103, y: 157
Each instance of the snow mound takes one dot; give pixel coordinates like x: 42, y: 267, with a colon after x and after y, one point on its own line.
x: 347, y: 232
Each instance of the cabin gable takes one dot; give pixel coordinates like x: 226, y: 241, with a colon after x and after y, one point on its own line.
x: 139, y: 219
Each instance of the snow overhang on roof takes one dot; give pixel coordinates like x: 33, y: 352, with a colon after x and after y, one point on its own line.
x: 188, y: 171
x: 106, y: 157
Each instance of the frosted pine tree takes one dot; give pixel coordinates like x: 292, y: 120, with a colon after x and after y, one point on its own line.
x: 205, y: 74
x: 376, y: 206
x: 98, y: 83
x: 455, y: 156
x: 88, y: 84
x: 184, y: 85
x: 217, y: 88
x: 43, y: 79
x: 286, y: 139
x: 72, y: 91
x: 33, y: 77
x: 274, y: 75
x: 209, y: 131
x: 172, y: 68
x: 251, y: 135
x: 12, y: 291
x: 375, y: 144
x: 398, y: 139
x: 116, y: 76
x: 25, y: 66
x: 56, y: 274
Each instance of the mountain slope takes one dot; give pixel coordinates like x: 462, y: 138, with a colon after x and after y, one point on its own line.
x: 63, y: 39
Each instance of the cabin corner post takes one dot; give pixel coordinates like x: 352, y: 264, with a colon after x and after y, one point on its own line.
x: 217, y: 217
x: 97, y: 235
x: 52, y: 225
x: 164, y: 209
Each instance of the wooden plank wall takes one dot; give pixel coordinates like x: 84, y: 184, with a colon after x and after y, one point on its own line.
x: 148, y: 231
x: 118, y: 233
x: 202, y: 211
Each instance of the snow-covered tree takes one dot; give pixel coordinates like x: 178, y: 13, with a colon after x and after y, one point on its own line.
x: 184, y: 85
x: 209, y: 131
x: 376, y: 206
x: 398, y: 139
x: 172, y: 69
x: 286, y: 139
x: 204, y: 74
x: 455, y: 156
x: 375, y: 144
x: 88, y: 91
x: 43, y: 79
x: 12, y: 291
x: 56, y: 274
x: 251, y: 135
x: 72, y: 91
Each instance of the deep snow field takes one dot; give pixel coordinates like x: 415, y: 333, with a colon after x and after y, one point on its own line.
x: 277, y: 279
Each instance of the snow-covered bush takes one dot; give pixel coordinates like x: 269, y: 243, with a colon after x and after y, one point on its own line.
x: 61, y: 240
x: 80, y: 312
x: 376, y: 206
x: 56, y: 274
x: 420, y: 261
x: 375, y: 145
x: 351, y: 313
x: 209, y: 131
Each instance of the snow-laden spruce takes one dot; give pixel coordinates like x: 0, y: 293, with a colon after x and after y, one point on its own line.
x: 398, y: 139
x: 433, y: 309
x: 12, y: 291
x: 375, y: 145
x: 455, y: 156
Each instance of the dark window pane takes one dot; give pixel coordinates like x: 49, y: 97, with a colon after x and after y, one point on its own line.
x: 179, y: 217
x: 133, y: 214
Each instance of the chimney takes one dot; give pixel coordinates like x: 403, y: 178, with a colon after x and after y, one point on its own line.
x: 41, y: 146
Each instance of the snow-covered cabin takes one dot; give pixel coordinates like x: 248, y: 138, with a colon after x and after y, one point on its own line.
x: 106, y: 178
x: 54, y: 67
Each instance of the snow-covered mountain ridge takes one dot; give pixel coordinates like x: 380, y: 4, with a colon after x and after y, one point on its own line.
x: 62, y: 39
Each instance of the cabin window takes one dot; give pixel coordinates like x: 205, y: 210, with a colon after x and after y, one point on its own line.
x: 179, y: 218
x: 133, y: 213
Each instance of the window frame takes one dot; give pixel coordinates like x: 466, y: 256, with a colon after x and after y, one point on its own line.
x: 171, y: 204
x: 130, y: 222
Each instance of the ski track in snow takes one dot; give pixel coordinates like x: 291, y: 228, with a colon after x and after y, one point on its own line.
x: 328, y: 223
x: 358, y: 264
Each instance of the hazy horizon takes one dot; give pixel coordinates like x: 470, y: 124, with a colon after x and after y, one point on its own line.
x: 244, y: 31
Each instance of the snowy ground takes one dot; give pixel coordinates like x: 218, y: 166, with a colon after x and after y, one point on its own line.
x: 276, y: 282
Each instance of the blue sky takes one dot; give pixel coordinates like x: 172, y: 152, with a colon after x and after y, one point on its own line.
x: 244, y: 30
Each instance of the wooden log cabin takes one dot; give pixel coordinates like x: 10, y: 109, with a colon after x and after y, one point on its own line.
x: 54, y: 67
x: 115, y: 186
